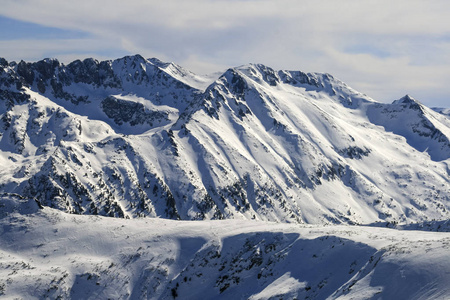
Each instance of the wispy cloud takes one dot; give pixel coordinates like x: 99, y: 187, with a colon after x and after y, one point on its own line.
x: 383, y: 48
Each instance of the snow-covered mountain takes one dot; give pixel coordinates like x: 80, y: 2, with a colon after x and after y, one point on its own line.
x: 138, y: 137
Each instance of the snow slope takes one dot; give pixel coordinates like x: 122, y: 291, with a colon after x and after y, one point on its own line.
x: 137, y: 137
x: 45, y: 253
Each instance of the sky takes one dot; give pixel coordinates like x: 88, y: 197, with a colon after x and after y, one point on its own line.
x: 382, y: 48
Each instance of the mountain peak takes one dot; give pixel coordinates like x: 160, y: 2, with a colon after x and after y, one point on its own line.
x: 132, y: 58
x: 233, y: 79
x: 3, y: 62
x: 407, y: 99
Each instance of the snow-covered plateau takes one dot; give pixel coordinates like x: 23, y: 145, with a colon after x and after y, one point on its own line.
x: 135, y: 179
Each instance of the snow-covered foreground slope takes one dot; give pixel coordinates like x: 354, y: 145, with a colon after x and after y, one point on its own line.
x: 45, y: 253
x: 138, y: 137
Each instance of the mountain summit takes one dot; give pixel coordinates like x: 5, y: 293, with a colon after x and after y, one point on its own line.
x: 136, y: 137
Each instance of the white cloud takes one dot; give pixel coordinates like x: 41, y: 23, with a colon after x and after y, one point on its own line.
x: 65, y: 50
x: 400, y: 46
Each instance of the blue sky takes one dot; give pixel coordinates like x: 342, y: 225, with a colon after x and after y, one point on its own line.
x: 385, y: 49
x: 13, y: 29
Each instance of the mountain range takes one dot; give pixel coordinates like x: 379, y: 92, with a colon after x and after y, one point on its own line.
x: 137, y: 137
x: 295, y: 177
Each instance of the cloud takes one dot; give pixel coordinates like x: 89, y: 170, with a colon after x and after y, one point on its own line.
x: 383, y: 48
x: 66, y: 50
